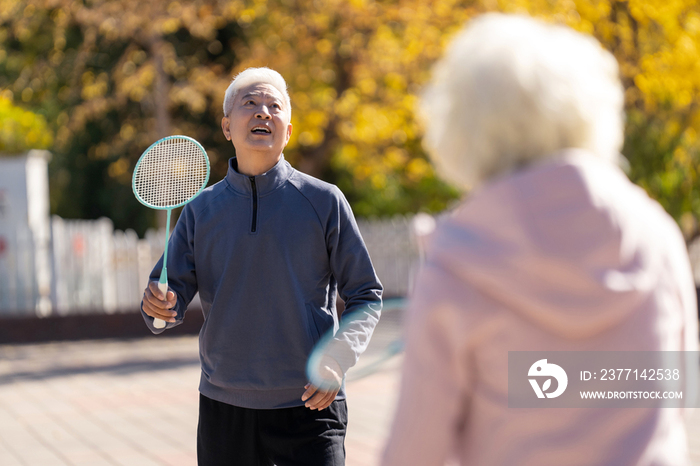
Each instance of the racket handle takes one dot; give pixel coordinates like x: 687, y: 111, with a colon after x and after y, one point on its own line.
x: 158, y: 323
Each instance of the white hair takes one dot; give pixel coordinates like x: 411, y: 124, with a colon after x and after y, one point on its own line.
x: 251, y: 76
x: 511, y: 90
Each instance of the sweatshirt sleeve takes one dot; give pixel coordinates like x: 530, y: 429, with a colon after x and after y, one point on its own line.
x: 182, y: 278
x: 358, y: 285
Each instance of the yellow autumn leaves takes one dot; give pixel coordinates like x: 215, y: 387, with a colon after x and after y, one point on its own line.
x: 21, y: 130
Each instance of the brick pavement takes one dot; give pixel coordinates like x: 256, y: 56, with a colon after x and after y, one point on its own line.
x: 99, y: 403
x: 134, y: 402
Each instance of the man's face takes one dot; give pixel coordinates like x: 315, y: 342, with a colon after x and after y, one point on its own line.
x: 258, y: 122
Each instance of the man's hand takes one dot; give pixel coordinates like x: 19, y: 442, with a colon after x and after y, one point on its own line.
x: 158, y: 306
x: 320, y: 398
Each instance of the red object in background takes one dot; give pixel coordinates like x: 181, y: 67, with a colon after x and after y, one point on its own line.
x: 78, y: 244
x: 3, y: 246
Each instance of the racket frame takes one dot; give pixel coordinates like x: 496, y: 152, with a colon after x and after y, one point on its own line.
x: 322, y: 348
x: 136, y: 169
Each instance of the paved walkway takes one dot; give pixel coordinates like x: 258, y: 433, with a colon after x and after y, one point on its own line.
x: 134, y: 403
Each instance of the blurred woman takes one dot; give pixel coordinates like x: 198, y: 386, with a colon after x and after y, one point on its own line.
x: 554, y: 250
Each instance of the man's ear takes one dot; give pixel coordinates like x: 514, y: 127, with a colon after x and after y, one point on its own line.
x: 225, y: 128
x: 289, y: 133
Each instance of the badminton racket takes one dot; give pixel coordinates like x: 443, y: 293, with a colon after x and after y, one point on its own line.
x: 169, y: 174
x: 386, y: 343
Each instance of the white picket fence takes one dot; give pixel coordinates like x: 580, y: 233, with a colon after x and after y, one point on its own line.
x: 394, y: 252
x: 18, y: 288
x: 98, y: 269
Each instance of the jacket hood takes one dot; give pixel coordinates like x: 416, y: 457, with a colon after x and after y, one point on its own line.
x: 566, y: 243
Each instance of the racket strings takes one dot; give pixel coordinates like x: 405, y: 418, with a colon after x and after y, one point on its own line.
x: 171, y: 173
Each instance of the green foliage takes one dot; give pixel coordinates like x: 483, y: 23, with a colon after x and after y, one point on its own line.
x: 665, y: 164
x: 21, y: 130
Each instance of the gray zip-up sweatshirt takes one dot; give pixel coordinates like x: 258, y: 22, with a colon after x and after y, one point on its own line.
x: 268, y: 255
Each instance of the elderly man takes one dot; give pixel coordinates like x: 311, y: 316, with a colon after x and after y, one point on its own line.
x: 268, y: 248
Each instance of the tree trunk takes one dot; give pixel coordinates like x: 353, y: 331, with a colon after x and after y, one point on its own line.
x: 160, y: 102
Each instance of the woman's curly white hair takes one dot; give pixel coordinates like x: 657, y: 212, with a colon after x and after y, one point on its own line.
x: 511, y: 90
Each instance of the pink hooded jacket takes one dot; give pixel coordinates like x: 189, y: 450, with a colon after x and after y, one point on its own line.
x: 567, y: 255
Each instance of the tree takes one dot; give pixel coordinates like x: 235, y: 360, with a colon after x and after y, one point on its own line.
x: 112, y: 77
x: 355, y: 69
x: 657, y: 44
x: 21, y: 130
x: 116, y: 75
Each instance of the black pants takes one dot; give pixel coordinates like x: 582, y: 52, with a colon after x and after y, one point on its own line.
x: 233, y: 436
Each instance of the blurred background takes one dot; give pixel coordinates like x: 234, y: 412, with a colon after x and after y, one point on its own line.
x: 87, y: 85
